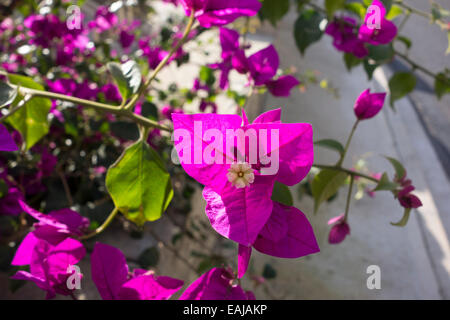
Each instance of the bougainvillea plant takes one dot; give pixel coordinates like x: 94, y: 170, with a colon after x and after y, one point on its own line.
x: 89, y: 134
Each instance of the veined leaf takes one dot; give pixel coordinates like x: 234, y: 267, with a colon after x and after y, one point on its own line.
x: 307, y: 29
x: 404, y: 220
x: 330, y: 144
x: 282, y: 194
x: 385, y: 184
x: 31, y: 119
x: 127, y: 77
x: 7, y: 94
x: 400, y: 85
x: 400, y: 171
x: 325, y: 184
x: 139, y: 184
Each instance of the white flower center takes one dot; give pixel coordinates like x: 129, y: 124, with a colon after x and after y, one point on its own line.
x: 240, y: 174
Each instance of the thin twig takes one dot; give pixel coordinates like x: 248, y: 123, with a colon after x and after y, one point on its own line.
x: 63, y: 179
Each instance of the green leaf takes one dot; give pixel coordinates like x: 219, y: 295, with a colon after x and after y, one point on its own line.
x: 406, y: 41
x: 394, y: 12
x: 387, y: 4
x: 385, y: 184
x: 7, y: 94
x: 357, y: 8
x: 274, y: 10
x: 351, y: 61
x: 210, y: 262
x: 3, y: 188
x: 331, y: 6
x: 149, y: 110
x: 125, y: 130
x: 404, y: 220
x: 149, y: 258
x: 330, y: 144
x: 269, y: 272
x: 31, y: 119
x: 400, y: 85
x: 139, y: 184
x: 127, y: 77
x: 282, y: 194
x: 381, y: 54
x: 325, y: 184
x: 400, y: 170
x: 441, y: 85
x: 307, y: 29
x: 207, y: 75
x: 369, y: 68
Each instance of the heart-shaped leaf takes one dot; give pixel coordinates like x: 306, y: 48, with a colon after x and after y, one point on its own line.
x: 325, y: 184
x: 31, y: 119
x: 127, y: 77
x: 7, y: 94
x: 139, y: 184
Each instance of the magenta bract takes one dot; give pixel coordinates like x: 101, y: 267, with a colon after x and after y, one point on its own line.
x: 220, y: 12
x: 111, y: 275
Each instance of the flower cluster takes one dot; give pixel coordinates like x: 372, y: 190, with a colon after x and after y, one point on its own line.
x: 238, y: 194
x: 261, y: 67
x: 346, y: 39
x: 405, y: 197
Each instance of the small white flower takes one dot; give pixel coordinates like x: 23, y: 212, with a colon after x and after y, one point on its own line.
x: 240, y: 174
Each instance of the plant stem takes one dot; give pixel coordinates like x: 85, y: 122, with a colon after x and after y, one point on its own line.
x: 350, y: 172
x: 341, y: 160
x: 415, y: 65
x: 409, y: 10
x: 349, y: 196
x: 405, y: 19
x: 421, y: 13
x: 105, y: 224
x: 161, y: 65
x: 65, y: 186
x: 90, y: 104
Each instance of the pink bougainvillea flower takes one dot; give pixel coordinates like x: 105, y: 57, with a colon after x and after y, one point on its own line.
x: 339, y: 230
x: 114, y: 281
x: 376, y: 36
x: 63, y: 86
x: 220, y: 12
x: 49, y: 264
x: 9, y: 203
x: 46, y: 163
x: 240, y: 213
x: 167, y: 111
x: 263, y: 65
x: 207, y: 106
x: 104, y: 20
x: 287, y: 234
x: 345, y: 38
x: 282, y: 86
x: 53, y: 227
x: 6, y: 140
x: 407, y: 199
x: 111, y: 92
x: 42, y: 29
x: 369, y: 104
x: 174, y: 2
x: 216, y: 284
x: 154, y: 54
x: 229, y: 41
